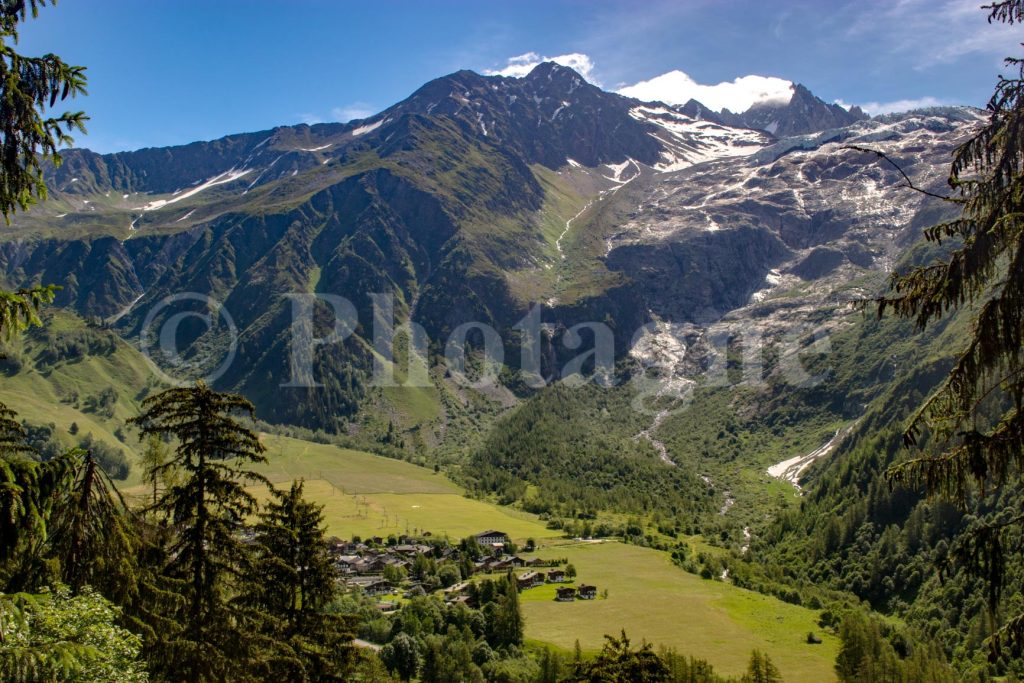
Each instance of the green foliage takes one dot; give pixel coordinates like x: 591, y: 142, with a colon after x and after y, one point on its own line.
x: 507, y: 624
x: 867, y: 655
x: 207, y: 505
x: 112, y: 460
x: 92, y: 536
x: 73, y: 639
x: 154, y: 456
x: 19, y: 310
x: 987, y: 269
x: 13, y: 436
x: 402, y: 656
x: 29, y: 492
x: 292, y: 583
x: 761, y: 669
x: 617, y: 661
x: 30, y: 86
x: 550, y: 441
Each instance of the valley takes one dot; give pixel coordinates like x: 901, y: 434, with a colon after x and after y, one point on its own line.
x: 638, y: 338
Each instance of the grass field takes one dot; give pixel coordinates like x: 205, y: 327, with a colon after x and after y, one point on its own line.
x: 368, y: 495
x: 45, y: 396
x: 656, y: 601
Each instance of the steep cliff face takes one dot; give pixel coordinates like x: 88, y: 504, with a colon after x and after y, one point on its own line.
x: 803, y: 113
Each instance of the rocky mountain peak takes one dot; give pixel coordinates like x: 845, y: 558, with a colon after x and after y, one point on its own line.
x: 803, y: 113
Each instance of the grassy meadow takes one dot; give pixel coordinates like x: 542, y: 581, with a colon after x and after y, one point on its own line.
x: 369, y: 495
x: 656, y: 601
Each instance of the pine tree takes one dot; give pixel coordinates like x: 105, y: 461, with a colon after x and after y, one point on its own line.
x: 12, y: 433
x: 508, y: 617
x: 761, y: 669
x: 207, y: 507
x: 29, y: 490
x: 987, y: 269
x: 92, y: 537
x: 618, y: 662
x: 293, y: 583
x: 30, y: 86
x: 28, y: 138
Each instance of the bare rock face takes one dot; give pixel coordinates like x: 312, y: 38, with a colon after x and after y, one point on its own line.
x: 787, y: 238
x: 804, y: 113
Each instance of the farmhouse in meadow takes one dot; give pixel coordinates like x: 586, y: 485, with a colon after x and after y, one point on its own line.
x: 565, y: 594
x: 556, y: 576
x: 529, y: 580
x: 586, y: 592
x: 492, y: 538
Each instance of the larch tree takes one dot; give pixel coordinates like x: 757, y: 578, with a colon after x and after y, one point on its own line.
x: 207, y: 507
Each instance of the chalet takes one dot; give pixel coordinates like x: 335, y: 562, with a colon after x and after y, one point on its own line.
x: 556, y: 576
x: 347, y: 563
x: 492, y: 538
x: 378, y: 587
x: 376, y: 564
x: 586, y: 592
x: 529, y: 580
x: 396, y: 562
x: 411, y: 550
x: 565, y: 594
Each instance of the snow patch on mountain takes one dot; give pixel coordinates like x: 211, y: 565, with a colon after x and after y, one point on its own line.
x: 225, y: 177
x: 368, y: 128
x: 687, y: 141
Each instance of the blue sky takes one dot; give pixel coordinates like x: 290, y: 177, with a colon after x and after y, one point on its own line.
x: 165, y: 72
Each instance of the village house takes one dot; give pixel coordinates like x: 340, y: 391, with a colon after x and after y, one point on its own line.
x: 565, y: 594
x: 347, y: 563
x: 492, y: 538
x: 411, y: 550
x: 586, y: 592
x: 529, y: 580
x: 556, y: 576
x: 378, y: 587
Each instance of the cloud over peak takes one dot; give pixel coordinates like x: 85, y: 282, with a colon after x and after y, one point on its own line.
x: 674, y: 87
x: 738, y: 95
x: 523, y: 64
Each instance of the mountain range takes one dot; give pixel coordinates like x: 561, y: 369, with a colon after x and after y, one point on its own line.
x: 473, y: 199
x: 726, y: 254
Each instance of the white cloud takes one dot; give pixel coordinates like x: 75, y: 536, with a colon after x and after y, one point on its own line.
x: 523, y: 64
x: 350, y: 112
x: 677, y: 87
x: 875, y: 108
x: 310, y: 119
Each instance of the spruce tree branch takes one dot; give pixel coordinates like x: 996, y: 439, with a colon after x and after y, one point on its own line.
x: 910, y: 184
